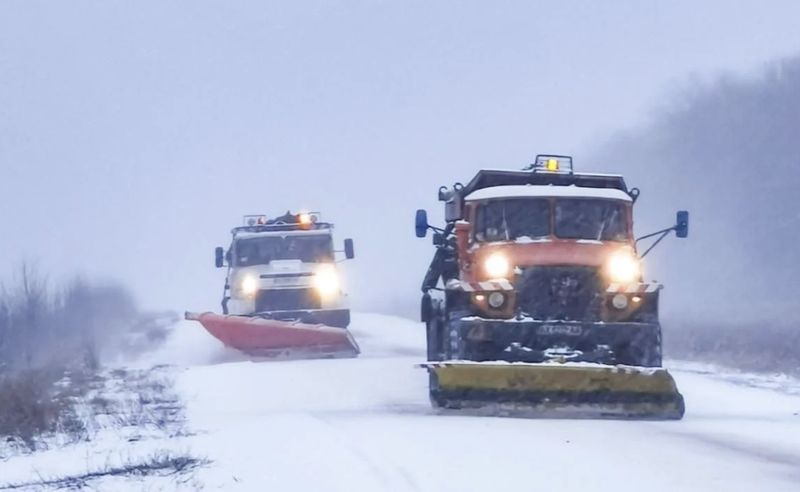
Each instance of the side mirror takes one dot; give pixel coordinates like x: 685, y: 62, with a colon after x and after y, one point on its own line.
x: 682, y: 224
x: 421, y: 223
x: 349, y: 250
x: 219, y: 257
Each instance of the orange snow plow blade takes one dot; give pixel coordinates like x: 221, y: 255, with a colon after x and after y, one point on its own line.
x: 263, y: 337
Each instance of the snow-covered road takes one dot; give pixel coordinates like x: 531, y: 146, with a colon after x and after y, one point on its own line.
x: 365, y: 424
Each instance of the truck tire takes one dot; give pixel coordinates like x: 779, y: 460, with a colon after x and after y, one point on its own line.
x: 645, y: 351
x: 454, y: 347
x: 433, y: 328
x: 632, y: 356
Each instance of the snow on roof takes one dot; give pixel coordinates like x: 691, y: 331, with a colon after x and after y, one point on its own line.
x: 520, y: 191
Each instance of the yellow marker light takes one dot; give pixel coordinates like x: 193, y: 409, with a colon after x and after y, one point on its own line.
x: 304, y: 219
x: 552, y: 164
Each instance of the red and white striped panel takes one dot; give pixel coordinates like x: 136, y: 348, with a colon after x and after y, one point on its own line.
x: 486, y: 286
x: 639, y: 288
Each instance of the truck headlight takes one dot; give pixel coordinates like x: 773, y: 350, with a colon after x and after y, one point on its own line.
x: 326, y: 280
x: 623, y: 267
x: 497, y: 266
x: 248, y: 285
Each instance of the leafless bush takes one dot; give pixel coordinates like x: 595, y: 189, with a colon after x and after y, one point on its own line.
x: 151, y: 403
x: 52, y: 340
x: 45, y: 406
x: 71, y: 325
x: 39, y: 402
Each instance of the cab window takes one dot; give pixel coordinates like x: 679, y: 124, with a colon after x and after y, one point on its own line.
x: 599, y: 220
x: 512, y: 219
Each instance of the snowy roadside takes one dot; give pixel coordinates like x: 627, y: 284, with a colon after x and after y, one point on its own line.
x: 366, y: 424
x: 768, y: 348
x: 776, y: 381
x: 130, y: 427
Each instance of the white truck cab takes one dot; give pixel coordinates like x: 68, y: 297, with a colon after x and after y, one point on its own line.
x: 285, y: 268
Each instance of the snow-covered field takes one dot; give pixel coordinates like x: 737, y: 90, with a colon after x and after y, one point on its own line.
x: 365, y: 424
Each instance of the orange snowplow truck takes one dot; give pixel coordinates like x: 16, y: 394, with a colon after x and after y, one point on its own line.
x: 539, y: 267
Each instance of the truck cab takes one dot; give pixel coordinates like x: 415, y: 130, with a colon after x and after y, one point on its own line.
x: 570, y: 242
x: 286, y: 269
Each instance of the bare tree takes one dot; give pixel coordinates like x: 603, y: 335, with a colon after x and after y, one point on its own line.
x: 34, y: 308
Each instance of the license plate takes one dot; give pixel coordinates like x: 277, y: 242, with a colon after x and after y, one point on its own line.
x: 569, y: 330
x: 285, y: 280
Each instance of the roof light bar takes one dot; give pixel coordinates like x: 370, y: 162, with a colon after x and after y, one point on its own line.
x: 552, y: 164
x: 302, y: 218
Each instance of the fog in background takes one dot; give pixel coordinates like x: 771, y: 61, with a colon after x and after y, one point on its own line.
x: 728, y: 151
x: 133, y: 136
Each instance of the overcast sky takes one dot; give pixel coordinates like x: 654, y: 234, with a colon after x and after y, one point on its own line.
x: 134, y: 135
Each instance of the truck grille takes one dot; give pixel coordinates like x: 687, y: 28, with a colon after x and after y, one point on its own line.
x: 287, y: 300
x: 560, y: 293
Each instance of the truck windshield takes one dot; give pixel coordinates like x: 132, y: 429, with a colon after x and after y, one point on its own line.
x: 513, y: 219
x: 601, y: 220
x: 262, y: 250
x: 529, y: 218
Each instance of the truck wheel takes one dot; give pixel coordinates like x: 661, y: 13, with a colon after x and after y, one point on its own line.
x: 632, y: 356
x: 453, y: 347
x: 225, y: 304
x: 433, y: 330
x: 644, y: 352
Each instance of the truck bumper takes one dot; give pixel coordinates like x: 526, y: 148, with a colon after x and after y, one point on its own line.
x: 515, y: 340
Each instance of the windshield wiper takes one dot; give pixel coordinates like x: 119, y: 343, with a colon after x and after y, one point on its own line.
x: 605, y: 222
x: 505, y: 224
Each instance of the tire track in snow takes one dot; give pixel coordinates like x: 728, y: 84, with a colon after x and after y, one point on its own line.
x: 787, y: 460
x: 384, y: 471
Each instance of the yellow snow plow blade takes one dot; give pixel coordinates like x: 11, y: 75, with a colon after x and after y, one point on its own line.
x: 555, y: 390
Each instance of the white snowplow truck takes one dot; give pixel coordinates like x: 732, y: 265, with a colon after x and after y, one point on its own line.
x: 285, y: 269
